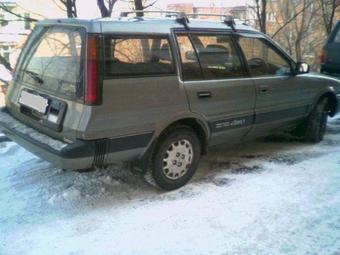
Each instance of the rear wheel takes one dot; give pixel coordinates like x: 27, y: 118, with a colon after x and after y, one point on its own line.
x: 174, y: 159
x: 314, y: 128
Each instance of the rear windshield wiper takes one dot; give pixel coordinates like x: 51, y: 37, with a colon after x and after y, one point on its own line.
x: 35, y: 76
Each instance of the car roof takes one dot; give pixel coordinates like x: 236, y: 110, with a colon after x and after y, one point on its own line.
x: 144, y: 25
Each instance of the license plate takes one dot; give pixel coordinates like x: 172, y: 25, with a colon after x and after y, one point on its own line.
x: 35, y: 102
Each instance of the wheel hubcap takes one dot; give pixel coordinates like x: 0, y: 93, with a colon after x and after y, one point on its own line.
x: 177, y: 159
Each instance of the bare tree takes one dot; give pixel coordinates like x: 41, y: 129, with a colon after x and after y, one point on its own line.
x: 261, y: 14
x: 3, y: 6
x: 297, y: 28
x: 70, y: 7
x: 140, y: 5
x: 328, y: 8
x: 287, y: 21
x: 106, y: 7
x: 23, y: 18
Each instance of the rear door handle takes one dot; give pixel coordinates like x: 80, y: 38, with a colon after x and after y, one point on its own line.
x: 264, y: 89
x: 204, y: 94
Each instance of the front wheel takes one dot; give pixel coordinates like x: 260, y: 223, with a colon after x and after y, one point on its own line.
x: 174, y: 159
x: 314, y: 128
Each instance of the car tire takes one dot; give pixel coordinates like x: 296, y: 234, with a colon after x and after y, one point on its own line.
x: 174, y: 159
x: 314, y: 128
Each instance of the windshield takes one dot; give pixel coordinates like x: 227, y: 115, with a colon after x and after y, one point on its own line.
x: 54, y: 62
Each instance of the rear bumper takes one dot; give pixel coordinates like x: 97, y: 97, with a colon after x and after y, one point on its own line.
x: 79, y: 154
x: 76, y: 155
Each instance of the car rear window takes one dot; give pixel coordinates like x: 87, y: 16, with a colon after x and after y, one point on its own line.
x: 54, y: 63
x: 131, y: 56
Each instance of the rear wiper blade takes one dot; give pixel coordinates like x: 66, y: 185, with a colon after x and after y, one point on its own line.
x: 35, y: 76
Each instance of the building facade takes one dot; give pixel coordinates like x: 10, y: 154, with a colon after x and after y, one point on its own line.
x: 14, y: 28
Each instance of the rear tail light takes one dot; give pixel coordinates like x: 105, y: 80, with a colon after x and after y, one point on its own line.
x: 323, y: 57
x: 93, y: 88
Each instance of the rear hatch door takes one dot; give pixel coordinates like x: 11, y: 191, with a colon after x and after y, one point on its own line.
x: 47, y: 90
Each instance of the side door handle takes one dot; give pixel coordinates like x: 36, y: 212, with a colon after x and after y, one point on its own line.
x: 263, y: 88
x: 204, y: 94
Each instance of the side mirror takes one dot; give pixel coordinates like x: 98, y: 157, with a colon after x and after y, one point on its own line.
x: 190, y: 55
x: 302, y: 68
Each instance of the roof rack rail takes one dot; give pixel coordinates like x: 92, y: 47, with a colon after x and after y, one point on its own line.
x: 183, y: 18
x: 168, y: 13
x: 227, y: 19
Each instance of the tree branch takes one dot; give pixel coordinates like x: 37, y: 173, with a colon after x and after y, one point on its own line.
x: 291, y: 19
x: 5, y: 63
x: 149, y: 5
x: 4, y: 7
x: 106, y: 11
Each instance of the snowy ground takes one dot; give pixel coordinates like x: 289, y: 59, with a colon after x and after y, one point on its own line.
x: 266, y: 197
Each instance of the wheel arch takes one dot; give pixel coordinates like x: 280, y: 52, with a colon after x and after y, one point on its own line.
x: 332, y: 101
x: 198, y: 126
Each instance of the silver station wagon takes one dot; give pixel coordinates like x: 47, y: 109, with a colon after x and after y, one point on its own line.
x: 157, y: 92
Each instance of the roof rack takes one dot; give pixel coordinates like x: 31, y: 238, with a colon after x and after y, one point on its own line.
x: 182, y: 17
x: 227, y: 19
x: 168, y: 13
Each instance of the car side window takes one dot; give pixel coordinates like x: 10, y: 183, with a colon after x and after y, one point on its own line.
x: 190, y: 66
x: 218, y: 56
x: 337, y: 35
x: 262, y: 58
x: 138, y: 56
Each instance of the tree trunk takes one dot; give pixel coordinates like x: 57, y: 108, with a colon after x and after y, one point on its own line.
x: 103, y: 10
x: 298, y: 51
x: 261, y: 13
x: 139, y: 7
x: 70, y: 8
x: 264, y: 17
x: 106, y: 11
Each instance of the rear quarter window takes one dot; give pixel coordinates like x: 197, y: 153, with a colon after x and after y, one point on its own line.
x: 131, y: 56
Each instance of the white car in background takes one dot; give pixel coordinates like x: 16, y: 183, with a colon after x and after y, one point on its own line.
x: 5, y: 77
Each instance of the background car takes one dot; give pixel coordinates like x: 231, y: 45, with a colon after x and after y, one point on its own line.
x: 330, y: 57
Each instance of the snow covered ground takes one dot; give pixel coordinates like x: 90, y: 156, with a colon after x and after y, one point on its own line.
x: 266, y: 197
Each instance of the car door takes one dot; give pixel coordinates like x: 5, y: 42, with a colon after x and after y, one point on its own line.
x: 216, y: 83
x: 278, y: 99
